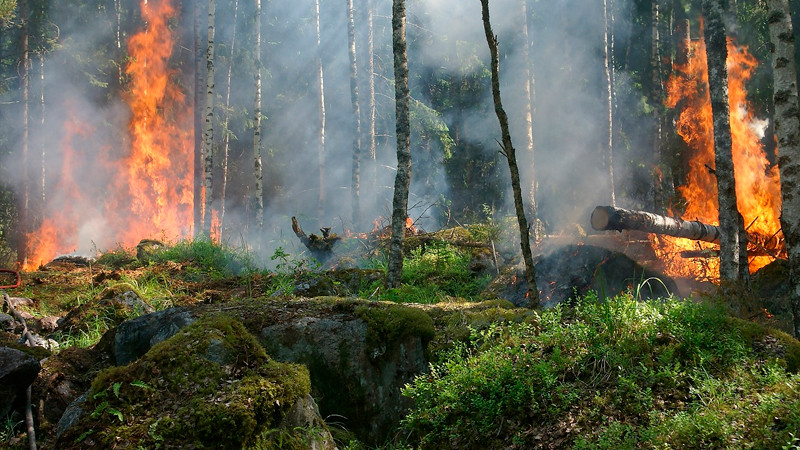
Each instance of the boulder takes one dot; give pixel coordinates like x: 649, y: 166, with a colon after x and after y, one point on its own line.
x: 18, y: 370
x: 211, y: 385
x: 135, y: 337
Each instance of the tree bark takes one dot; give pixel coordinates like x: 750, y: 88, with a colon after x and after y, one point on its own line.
x: 24, y: 75
x: 321, y: 133
x: 733, y: 251
x: 373, y: 181
x: 394, y: 270
x: 197, y: 123
x: 226, y: 140
x: 609, y: 151
x: 618, y: 219
x: 527, y: 93
x: 510, y: 154
x: 356, y: 174
x: 787, y: 129
x: 208, y: 132
x: 258, y: 173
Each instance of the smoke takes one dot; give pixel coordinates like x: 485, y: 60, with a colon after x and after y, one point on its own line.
x: 446, y: 40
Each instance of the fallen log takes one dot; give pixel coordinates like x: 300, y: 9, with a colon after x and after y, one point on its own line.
x: 618, y: 219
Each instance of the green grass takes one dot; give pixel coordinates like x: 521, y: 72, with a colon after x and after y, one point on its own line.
x: 207, y: 258
x: 614, y: 374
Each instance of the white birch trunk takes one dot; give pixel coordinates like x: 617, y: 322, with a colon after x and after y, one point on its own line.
x: 258, y: 172
x: 227, y: 139
x: 787, y: 129
x: 208, y: 132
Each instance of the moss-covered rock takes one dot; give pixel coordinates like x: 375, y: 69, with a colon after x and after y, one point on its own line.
x: 211, y: 385
x: 112, y: 306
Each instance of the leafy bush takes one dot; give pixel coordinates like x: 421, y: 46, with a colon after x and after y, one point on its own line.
x: 207, y: 257
x: 612, y: 374
x: 435, y: 271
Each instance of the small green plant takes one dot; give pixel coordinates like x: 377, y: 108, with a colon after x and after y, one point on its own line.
x: 207, y: 257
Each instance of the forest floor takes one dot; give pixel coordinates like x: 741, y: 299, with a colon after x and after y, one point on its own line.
x: 595, y: 372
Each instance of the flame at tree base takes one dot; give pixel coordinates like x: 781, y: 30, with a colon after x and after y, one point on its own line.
x: 757, y: 180
x: 148, y: 191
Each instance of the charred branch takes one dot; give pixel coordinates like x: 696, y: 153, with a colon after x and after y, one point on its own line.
x: 321, y: 247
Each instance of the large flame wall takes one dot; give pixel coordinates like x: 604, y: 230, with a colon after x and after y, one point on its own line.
x: 149, y: 192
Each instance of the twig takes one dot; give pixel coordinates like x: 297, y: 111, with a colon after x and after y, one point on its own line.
x: 16, y: 314
x: 494, y: 255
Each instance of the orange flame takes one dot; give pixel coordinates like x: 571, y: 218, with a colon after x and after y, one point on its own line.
x: 151, y: 194
x: 757, y: 182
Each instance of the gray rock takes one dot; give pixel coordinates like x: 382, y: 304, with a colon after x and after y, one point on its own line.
x: 305, y: 414
x: 71, y: 415
x: 133, y: 338
x: 7, y: 322
x: 351, y: 379
x: 17, y: 371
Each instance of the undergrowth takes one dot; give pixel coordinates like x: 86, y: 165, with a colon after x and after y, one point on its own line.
x: 613, y: 374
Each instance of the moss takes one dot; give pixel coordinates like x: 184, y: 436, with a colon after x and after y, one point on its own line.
x: 211, y: 385
x: 783, y: 345
x: 388, y: 324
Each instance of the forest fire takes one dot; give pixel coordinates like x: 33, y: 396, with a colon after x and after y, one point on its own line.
x: 149, y: 191
x: 757, y: 182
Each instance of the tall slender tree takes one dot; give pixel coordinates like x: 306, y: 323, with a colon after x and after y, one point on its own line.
x: 356, y: 173
x: 258, y: 171
x: 321, y: 115
x: 208, y: 131
x: 527, y: 100
x: 510, y: 153
x: 607, y: 53
x: 197, y: 123
x: 402, y: 180
x: 225, y: 127
x: 787, y: 130
x: 371, y: 95
x: 733, y: 251
x: 24, y: 77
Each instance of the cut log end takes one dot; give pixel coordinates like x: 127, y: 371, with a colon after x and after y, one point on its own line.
x: 601, y: 216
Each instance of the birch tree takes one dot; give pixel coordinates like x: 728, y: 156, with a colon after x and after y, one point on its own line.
x: 24, y: 77
x: 227, y: 138
x: 371, y: 97
x: 258, y: 172
x: 321, y: 109
x: 733, y: 252
x: 394, y: 270
x: 609, y: 151
x: 208, y: 131
x: 510, y: 154
x: 527, y: 93
x: 356, y: 173
x: 787, y: 129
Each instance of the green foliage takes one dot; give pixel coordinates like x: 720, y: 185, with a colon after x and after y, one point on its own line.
x: 611, y: 374
x: 207, y: 258
x: 389, y: 324
x: 434, y: 272
x: 118, y: 258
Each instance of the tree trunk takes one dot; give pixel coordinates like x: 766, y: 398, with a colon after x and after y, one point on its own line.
x: 733, y: 252
x: 609, y: 151
x: 787, y: 129
x: 24, y: 75
x: 618, y: 219
x: 356, y: 179
x: 258, y: 173
x: 661, y: 177
x: 321, y: 133
x: 394, y: 270
x: 226, y: 140
x: 41, y: 142
x: 208, y: 132
x: 197, y: 121
x: 510, y: 154
x: 373, y: 182
x: 527, y: 93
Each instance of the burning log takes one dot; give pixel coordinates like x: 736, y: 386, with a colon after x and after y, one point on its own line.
x: 320, y: 246
x: 611, y: 218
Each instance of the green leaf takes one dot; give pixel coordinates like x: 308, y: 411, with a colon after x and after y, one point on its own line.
x: 99, y: 410
x: 116, y: 413
x: 141, y: 384
x: 116, y: 386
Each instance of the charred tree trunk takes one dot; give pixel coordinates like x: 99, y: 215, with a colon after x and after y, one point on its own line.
x: 618, y: 219
x: 733, y: 251
x: 208, y: 131
x: 394, y: 270
x: 356, y: 175
x: 787, y: 129
x: 510, y: 154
